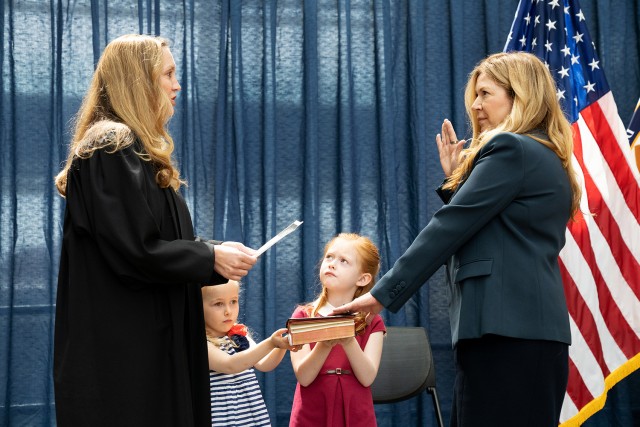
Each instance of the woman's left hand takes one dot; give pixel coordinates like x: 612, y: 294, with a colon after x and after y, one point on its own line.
x: 363, y: 304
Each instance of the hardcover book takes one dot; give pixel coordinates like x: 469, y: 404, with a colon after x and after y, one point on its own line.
x: 306, y: 330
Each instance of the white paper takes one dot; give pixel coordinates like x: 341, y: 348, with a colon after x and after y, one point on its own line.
x: 291, y: 227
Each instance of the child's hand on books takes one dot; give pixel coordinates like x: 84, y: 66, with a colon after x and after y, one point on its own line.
x: 279, y: 339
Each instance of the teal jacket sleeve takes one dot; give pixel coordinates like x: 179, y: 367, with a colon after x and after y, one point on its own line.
x: 495, y: 180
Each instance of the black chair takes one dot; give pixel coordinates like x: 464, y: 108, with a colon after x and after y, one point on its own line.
x: 406, y: 368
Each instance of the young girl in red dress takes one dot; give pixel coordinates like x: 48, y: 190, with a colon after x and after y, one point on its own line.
x: 334, y: 376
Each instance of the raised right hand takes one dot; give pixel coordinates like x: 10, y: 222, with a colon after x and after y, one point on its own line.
x: 449, y: 148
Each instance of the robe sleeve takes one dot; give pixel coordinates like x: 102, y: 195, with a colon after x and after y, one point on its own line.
x: 114, y: 200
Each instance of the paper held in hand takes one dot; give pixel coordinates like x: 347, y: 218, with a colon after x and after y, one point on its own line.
x: 278, y: 237
x: 306, y: 330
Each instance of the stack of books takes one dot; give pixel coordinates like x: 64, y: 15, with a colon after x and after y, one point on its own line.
x: 306, y: 330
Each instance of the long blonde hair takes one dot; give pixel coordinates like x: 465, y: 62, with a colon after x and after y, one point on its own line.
x: 369, y: 262
x: 125, y: 102
x: 535, y: 107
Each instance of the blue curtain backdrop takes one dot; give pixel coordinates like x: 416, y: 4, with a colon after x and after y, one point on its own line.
x: 323, y: 111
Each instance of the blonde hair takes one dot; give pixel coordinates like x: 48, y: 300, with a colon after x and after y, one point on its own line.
x: 535, y: 107
x: 125, y: 102
x: 369, y: 262
x: 219, y: 341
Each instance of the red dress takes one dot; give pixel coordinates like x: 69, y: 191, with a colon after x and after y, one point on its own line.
x: 335, y: 400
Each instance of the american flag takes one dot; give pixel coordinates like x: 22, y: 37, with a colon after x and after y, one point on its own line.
x: 633, y: 131
x: 600, y: 263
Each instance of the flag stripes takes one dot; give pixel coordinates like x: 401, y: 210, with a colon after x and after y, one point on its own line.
x: 599, y: 265
x: 614, y: 150
x: 580, y: 309
x: 600, y: 262
x: 577, y: 390
x: 605, y: 221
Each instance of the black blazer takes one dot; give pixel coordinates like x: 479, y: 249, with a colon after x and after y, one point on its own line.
x: 500, y: 234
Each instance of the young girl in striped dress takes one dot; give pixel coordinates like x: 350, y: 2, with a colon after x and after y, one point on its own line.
x: 236, y: 399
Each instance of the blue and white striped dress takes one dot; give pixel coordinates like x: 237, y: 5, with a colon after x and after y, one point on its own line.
x: 236, y: 399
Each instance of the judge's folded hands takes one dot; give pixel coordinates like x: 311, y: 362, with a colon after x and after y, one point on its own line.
x: 233, y: 260
x: 365, y: 303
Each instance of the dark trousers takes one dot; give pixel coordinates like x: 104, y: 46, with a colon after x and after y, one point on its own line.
x: 502, y: 381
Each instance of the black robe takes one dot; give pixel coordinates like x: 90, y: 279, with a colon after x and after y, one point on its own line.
x: 130, y: 347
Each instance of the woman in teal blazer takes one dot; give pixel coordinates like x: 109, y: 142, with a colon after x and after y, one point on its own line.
x: 508, y: 197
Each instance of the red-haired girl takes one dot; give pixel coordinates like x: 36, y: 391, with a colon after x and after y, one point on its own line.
x: 334, y: 376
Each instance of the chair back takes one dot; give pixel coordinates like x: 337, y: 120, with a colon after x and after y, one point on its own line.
x: 406, y: 366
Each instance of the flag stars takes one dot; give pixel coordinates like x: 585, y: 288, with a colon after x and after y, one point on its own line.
x: 523, y: 41
x: 564, y: 72
x: 548, y: 45
x: 551, y: 25
x: 589, y: 86
x: 566, y: 56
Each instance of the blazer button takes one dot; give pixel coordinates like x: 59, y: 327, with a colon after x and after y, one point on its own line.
x: 403, y: 284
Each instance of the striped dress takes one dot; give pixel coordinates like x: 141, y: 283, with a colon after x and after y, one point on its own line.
x: 236, y: 399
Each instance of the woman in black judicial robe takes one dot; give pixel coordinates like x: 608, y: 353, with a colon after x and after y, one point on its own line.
x: 130, y: 347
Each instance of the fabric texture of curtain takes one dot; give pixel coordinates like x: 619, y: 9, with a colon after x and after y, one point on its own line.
x: 322, y: 111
